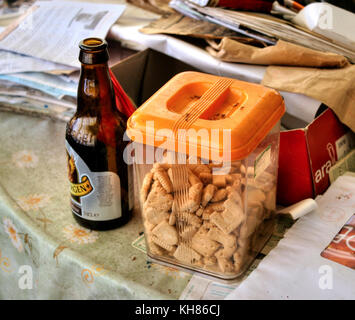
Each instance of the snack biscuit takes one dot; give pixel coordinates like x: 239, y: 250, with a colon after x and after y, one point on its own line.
x: 163, y: 178
x: 186, y: 254
x: 200, y: 219
x: 187, y: 232
x: 147, y: 181
x: 216, y: 206
x: 193, y: 179
x: 172, y: 218
x: 227, y: 252
x: 219, y: 181
x: 203, y: 245
x: 189, y: 218
x: 209, y: 261
x: 206, y: 177
x: 227, y: 240
x: 224, y: 264
x: 230, y: 218
x: 208, y: 193
x: 219, y: 195
x: 166, y: 233
x: 163, y: 244
x: 200, y: 168
x: 158, y: 199
x: 154, y: 216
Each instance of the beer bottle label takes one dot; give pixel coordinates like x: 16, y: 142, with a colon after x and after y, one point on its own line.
x: 94, y: 195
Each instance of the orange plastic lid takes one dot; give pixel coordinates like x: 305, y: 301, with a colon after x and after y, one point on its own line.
x: 203, y: 104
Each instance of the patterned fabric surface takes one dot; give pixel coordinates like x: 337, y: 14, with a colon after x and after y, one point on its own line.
x: 44, y: 253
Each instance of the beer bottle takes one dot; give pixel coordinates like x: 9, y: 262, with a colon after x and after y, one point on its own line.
x: 98, y: 175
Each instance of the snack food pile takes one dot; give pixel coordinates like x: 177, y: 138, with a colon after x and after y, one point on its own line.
x: 199, y: 218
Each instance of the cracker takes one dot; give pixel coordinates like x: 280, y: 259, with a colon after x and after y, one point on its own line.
x: 155, y: 249
x: 163, y: 178
x: 188, y: 218
x: 199, y: 212
x: 227, y: 240
x: 234, y: 195
x: 219, y: 195
x: 207, y: 194
x: 225, y: 265
x: 147, y: 182
x: 219, y: 180
x: 172, y: 219
x: 230, y: 218
x: 209, y: 261
x: 197, y: 169
x: 216, y: 206
x: 193, y: 179
x: 158, y: 199
x: 161, y: 243
x: 206, y: 177
x: 166, y: 233
x: 188, y: 232
x: 203, y: 245
x: 227, y: 252
x: 186, y: 254
x: 154, y: 216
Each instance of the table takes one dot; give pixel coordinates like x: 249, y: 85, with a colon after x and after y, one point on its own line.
x: 37, y: 229
x: 44, y: 253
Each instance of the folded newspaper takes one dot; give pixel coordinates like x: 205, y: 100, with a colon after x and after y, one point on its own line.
x: 40, y: 48
x: 264, y: 27
x: 52, y: 30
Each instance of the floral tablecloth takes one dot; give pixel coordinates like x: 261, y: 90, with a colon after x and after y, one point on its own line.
x: 44, y: 253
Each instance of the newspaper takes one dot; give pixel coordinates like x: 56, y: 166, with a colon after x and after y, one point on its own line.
x: 11, y: 62
x: 264, y: 27
x: 178, y: 24
x: 156, y: 6
x: 52, y: 30
x: 53, y: 85
x: 8, y: 12
x: 193, y: 11
x: 20, y: 99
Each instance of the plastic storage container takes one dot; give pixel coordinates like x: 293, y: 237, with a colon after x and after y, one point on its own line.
x: 206, y: 157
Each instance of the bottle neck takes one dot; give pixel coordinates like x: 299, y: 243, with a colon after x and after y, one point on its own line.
x: 95, y: 89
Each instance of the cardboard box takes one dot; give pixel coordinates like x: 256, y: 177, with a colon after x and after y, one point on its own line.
x: 143, y: 73
x: 306, y: 154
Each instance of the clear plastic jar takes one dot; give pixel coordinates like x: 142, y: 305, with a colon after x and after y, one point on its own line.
x: 203, y: 212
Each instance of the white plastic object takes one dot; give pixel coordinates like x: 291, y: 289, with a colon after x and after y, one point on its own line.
x: 330, y: 21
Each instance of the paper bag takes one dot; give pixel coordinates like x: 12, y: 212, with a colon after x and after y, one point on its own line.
x: 283, y: 53
x: 334, y: 87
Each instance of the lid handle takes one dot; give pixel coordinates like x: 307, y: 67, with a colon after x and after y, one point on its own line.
x: 207, y: 100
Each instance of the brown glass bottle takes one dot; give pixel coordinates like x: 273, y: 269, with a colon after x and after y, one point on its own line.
x: 98, y: 174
